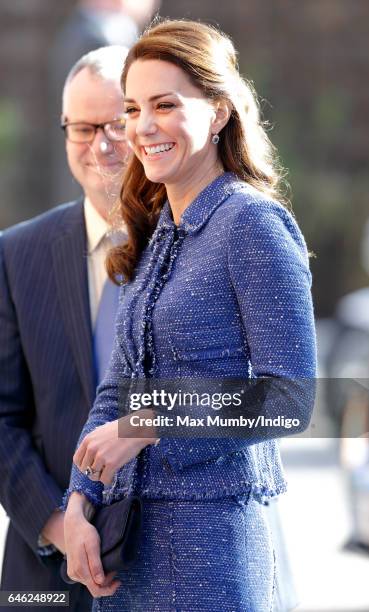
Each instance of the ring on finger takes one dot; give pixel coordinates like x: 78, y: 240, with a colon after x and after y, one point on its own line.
x: 89, y: 471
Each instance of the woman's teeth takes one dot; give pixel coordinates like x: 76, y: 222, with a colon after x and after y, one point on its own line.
x: 159, y: 148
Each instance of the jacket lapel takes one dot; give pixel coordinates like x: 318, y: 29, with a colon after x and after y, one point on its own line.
x: 70, y: 265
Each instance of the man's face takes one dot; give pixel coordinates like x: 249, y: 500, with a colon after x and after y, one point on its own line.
x: 98, y: 165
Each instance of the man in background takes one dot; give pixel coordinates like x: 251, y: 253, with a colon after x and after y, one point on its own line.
x: 57, y: 312
x: 92, y: 24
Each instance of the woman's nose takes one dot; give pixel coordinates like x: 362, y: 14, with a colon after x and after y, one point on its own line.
x: 145, y: 124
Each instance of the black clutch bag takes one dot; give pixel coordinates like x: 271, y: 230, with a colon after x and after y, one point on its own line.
x: 119, y: 526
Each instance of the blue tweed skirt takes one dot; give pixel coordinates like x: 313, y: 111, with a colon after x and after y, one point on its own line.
x: 199, y: 556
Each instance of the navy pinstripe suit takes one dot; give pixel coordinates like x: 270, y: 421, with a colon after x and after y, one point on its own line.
x: 46, y: 383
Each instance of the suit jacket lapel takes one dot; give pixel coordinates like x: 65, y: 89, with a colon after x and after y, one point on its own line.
x: 69, y: 260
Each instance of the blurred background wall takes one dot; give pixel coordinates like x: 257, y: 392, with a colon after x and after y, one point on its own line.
x: 309, y: 61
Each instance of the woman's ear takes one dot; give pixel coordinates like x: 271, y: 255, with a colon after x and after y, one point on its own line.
x: 222, y: 113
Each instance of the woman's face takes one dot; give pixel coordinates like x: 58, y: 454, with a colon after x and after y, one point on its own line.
x: 169, y: 124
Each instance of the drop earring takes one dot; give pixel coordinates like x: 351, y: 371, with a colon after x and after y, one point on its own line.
x: 215, y: 139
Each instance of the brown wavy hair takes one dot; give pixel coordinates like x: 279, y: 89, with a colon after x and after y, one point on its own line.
x: 208, y: 57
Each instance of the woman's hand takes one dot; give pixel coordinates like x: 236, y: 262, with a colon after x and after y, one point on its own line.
x: 112, y: 445
x: 82, y: 543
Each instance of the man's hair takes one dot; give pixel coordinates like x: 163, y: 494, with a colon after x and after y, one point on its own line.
x: 105, y: 63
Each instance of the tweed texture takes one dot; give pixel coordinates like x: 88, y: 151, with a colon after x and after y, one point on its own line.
x: 180, y: 570
x: 224, y: 294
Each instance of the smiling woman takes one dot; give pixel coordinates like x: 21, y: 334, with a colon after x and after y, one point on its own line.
x: 218, y: 287
x: 187, y: 95
x: 169, y: 124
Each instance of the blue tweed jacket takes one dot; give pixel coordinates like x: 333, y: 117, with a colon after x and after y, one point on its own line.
x: 224, y: 294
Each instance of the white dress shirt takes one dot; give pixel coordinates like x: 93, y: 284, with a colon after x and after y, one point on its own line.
x: 100, y: 239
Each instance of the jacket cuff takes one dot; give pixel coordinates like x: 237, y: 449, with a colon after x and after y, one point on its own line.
x: 80, y: 483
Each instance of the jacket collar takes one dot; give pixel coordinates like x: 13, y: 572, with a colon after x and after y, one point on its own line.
x: 200, y: 210
x: 205, y: 204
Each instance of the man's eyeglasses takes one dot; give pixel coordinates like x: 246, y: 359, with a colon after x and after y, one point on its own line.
x: 85, y: 132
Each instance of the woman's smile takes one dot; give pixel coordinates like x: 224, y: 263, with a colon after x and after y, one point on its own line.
x: 158, y: 151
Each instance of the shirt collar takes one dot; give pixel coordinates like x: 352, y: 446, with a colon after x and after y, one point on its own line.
x: 96, y: 226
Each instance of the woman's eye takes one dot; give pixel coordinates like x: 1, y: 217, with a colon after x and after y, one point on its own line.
x: 130, y: 110
x: 165, y: 105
